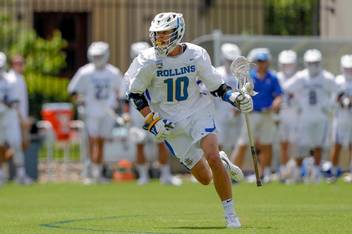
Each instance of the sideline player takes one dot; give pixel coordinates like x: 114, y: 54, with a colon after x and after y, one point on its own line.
x: 100, y: 85
x: 177, y: 112
x: 138, y: 122
x: 313, y: 89
x: 10, y: 137
x: 288, y: 113
x: 15, y: 76
x: 342, y: 125
x: 228, y: 120
x: 266, y: 103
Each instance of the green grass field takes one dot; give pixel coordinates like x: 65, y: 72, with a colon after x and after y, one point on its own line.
x: 191, y: 208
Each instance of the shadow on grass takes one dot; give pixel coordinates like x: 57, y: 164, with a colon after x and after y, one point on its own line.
x: 198, y: 228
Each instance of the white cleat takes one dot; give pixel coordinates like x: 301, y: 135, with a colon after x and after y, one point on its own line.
x: 142, y: 180
x: 232, y: 221
x: 235, y: 172
x: 24, y: 180
x: 171, y: 180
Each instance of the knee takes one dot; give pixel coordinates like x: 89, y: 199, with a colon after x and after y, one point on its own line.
x: 204, y: 179
x: 214, y: 160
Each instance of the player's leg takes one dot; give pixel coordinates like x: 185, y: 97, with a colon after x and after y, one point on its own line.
x: 265, y: 156
x: 94, y: 128
x: 2, y: 155
x: 141, y: 164
x: 14, y: 140
x: 202, y: 172
x: 222, y: 182
x: 238, y: 155
x: 165, y: 172
x: 284, y: 157
x: 266, y: 135
x: 317, y: 154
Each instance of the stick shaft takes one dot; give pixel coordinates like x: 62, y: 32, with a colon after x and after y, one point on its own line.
x: 253, y: 151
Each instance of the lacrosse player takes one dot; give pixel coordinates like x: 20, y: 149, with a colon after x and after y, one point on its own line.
x: 177, y: 113
x: 288, y: 113
x: 266, y: 102
x: 342, y: 125
x: 10, y: 137
x: 15, y: 76
x: 138, y: 122
x: 99, y: 83
x: 313, y: 89
x: 227, y: 119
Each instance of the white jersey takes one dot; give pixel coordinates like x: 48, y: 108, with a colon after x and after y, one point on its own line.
x: 20, y: 87
x: 344, y: 110
x: 100, y: 87
x: 7, y: 93
x: 287, y: 102
x: 171, y: 82
x: 313, y: 95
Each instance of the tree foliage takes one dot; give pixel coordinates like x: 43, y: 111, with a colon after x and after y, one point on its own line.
x: 292, y: 17
x: 44, y: 60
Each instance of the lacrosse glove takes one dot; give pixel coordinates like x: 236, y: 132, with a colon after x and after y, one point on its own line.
x: 157, y: 126
x: 240, y: 100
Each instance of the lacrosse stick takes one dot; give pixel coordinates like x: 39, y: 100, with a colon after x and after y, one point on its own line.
x: 240, y: 69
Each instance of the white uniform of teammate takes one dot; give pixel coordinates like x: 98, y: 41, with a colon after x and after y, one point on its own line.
x: 227, y: 119
x: 288, y: 111
x: 342, y: 126
x: 170, y: 81
x: 314, y: 101
x: 10, y: 124
x: 21, y: 92
x: 99, y: 88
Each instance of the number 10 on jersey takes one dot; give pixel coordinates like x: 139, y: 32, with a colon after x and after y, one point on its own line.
x: 177, y: 89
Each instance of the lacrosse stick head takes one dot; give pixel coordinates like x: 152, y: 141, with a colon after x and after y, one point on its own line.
x: 240, y: 69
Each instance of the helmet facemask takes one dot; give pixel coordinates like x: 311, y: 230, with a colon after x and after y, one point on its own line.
x: 162, y: 41
x: 98, y: 54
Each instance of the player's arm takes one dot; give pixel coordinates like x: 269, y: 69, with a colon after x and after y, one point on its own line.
x: 76, y: 86
x: 139, y: 75
x: 241, y: 101
x: 212, y: 80
x: 277, y: 96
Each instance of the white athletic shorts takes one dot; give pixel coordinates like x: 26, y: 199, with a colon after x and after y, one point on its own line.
x: 229, y: 131
x: 263, y: 128
x: 100, y: 126
x: 10, y: 129
x: 288, y: 126
x: 184, y: 142
x: 312, y: 131
x: 342, y: 130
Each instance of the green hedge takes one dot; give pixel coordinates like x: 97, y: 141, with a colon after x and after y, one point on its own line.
x: 43, y: 89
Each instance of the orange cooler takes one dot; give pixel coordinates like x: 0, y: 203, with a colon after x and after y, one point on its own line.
x: 59, y: 115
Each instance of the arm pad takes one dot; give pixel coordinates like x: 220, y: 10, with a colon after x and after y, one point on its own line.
x: 221, y: 91
x: 139, y: 100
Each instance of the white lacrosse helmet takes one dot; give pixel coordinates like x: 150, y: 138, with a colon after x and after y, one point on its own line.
x: 312, y: 56
x: 287, y: 62
x: 312, y: 59
x: 138, y: 47
x: 230, y: 51
x: 98, y: 53
x: 346, y: 66
x: 2, y: 61
x: 287, y: 57
x: 164, y: 22
x: 346, y: 61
